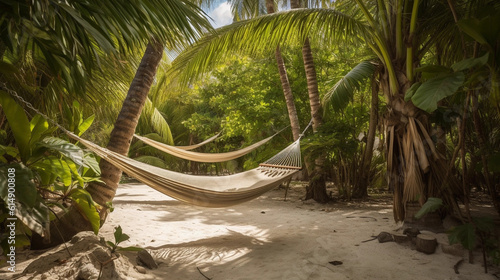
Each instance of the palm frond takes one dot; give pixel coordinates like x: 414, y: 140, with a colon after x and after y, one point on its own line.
x: 153, y: 118
x: 247, y: 9
x: 343, y: 90
x: 68, y: 35
x: 263, y: 34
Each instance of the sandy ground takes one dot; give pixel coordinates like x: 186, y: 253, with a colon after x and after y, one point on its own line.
x: 269, y: 238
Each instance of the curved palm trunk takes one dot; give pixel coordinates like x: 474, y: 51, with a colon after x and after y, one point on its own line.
x: 317, y: 185
x: 289, y: 99
x: 72, y: 222
x: 125, y: 124
x: 285, y: 83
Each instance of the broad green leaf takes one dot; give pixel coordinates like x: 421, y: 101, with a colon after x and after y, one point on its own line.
x: 81, y: 194
x: 119, y: 235
x: 470, y: 63
x: 65, y: 174
x: 18, y: 123
x: 38, y: 126
x: 22, y: 180
x: 434, y: 90
x: 465, y: 235
x: 86, y: 205
x: 65, y: 148
x: 56, y: 167
x: 44, y: 170
x: 90, y: 162
x: 431, y: 205
x: 37, y: 218
x: 85, y: 125
x: 411, y: 91
x: 75, y: 172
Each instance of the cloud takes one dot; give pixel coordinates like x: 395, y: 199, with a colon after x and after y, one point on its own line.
x: 221, y: 15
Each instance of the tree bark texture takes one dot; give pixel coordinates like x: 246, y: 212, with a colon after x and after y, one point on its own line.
x: 125, y: 124
x: 317, y: 183
x: 285, y: 84
x: 289, y: 99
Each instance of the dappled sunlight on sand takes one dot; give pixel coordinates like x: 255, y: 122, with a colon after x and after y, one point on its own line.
x: 269, y: 238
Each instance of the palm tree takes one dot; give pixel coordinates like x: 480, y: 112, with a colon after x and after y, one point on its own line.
x: 399, y: 33
x: 68, y: 35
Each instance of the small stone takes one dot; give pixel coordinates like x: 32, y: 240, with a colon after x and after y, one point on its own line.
x: 140, y: 269
x: 145, y: 259
x: 384, y: 237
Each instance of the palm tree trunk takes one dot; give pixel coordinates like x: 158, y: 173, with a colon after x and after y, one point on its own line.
x: 317, y: 184
x: 287, y: 91
x: 125, y: 124
x: 72, y: 222
x: 361, y: 188
x: 285, y: 83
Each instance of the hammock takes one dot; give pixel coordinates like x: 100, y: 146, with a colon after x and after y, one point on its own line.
x: 192, y: 147
x: 201, y: 157
x: 208, y: 191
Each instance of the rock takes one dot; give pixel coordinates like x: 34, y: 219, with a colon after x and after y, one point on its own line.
x: 140, y: 269
x: 426, y: 243
x: 145, y: 259
x: 384, y: 237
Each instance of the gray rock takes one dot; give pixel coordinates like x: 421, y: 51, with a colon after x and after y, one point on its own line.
x: 145, y: 259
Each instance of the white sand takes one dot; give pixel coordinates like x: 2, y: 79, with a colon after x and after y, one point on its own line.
x: 269, y: 238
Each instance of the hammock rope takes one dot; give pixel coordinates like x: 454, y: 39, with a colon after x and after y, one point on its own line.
x: 207, y: 191
x: 203, y: 157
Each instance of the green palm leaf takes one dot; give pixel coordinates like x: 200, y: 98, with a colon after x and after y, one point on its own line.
x: 343, y: 90
x: 263, y: 34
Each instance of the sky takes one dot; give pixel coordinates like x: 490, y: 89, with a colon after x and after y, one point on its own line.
x: 220, y: 14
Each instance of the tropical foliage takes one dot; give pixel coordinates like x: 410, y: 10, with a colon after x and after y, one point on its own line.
x: 409, y: 92
x: 50, y: 174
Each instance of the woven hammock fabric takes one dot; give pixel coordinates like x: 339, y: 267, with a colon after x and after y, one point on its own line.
x: 192, y: 147
x: 208, y: 191
x: 202, y: 157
